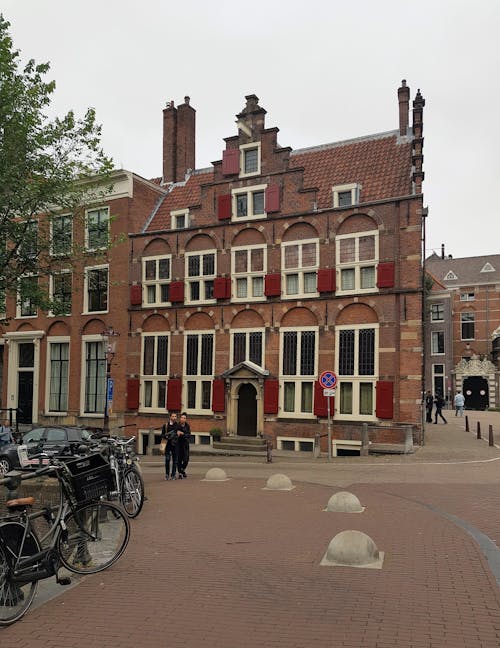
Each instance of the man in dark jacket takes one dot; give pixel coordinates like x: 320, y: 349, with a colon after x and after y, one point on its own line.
x: 439, y: 406
x: 183, y: 439
x: 429, y: 404
x: 169, y: 433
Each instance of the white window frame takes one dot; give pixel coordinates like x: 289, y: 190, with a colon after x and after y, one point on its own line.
x: 356, y: 379
x: 435, y: 345
x: 156, y: 283
x: 467, y: 296
x: 353, y: 187
x: 298, y: 379
x: 155, y: 378
x: 54, y: 218
x: 87, y: 214
x: 357, y: 265
x: 198, y: 378
x: 247, y: 332
x: 19, y: 314
x: 176, y: 214
x: 51, y: 290
x: 53, y: 340
x: 83, y: 375
x: 243, y: 149
x: 201, y: 279
x: 249, y: 191
x: 300, y: 270
x: 440, y: 312
x: 462, y: 323
x: 86, y: 310
x: 249, y: 275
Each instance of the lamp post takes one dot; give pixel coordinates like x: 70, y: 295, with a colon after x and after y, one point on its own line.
x: 109, y: 336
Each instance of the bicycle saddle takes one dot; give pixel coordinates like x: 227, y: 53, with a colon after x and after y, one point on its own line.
x: 20, y: 502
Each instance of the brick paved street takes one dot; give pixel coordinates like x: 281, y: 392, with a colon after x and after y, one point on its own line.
x: 232, y: 565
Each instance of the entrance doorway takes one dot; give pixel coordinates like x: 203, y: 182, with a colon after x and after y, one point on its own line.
x: 475, y: 390
x: 25, y: 397
x: 247, y: 410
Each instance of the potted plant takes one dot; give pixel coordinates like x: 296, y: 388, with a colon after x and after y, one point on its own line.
x: 216, y: 433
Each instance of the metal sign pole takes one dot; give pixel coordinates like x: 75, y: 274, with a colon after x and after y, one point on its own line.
x: 329, y: 431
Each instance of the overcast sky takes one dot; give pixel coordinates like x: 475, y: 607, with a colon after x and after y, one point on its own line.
x: 325, y: 70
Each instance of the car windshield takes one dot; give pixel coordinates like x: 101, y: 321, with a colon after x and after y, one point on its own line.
x: 33, y: 435
x: 86, y: 436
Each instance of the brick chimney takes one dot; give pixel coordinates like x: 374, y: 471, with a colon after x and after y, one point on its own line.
x: 404, y: 106
x: 179, y: 129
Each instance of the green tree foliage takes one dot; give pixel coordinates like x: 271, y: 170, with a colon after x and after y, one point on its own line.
x: 48, y: 166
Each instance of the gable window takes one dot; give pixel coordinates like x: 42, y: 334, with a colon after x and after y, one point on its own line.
x: 96, y: 289
x: 95, y: 377
x: 200, y: 273
x: 155, y: 361
x: 180, y: 219
x: 437, y: 342
x: 62, y: 234
x: 248, y: 270
x: 450, y: 276
x: 58, y: 375
x: 247, y: 346
x: 357, y: 256
x: 199, y: 371
x: 26, y: 297
x: 156, y: 280
x: 437, y: 312
x: 467, y: 326
x: 300, y: 268
x: 467, y: 296
x: 357, y: 367
x: 248, y: 203
x: 60, y: 293
x: 298, y: 369
x: 250, y: 159
x: 97, y: 233
x: 345, y: 195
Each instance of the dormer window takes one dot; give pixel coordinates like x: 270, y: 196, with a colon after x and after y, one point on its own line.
x: 250, y: 159
x: 180, y: 218
x: 346, y: 195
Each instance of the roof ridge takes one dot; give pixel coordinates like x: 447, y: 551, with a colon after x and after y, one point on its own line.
x: 363, y: 138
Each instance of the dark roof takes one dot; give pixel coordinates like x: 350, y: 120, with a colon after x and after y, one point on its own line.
x: 466, y: 271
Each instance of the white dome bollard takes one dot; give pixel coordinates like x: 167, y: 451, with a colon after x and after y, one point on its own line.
x: 279, y: 482
x: 344, y: 502
x: 216, y: 474
x: 353, y: 549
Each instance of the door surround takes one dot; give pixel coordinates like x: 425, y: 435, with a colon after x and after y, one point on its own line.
x: 244, y: 373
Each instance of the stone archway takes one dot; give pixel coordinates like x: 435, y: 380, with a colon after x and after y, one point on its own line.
x: 484, y: 374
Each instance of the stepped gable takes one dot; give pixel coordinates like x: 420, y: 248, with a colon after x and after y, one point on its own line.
x: 381, y: 164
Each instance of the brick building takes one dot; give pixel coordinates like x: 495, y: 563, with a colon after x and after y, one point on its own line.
x: 239, y: 284
x: 463, y: 324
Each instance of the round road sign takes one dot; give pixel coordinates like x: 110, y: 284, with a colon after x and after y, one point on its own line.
x: 328, y: 379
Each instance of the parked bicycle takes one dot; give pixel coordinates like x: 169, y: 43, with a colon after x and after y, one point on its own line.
x: 85, y: 534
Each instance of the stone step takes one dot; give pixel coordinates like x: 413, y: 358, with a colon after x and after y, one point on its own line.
x: 238, y: 447
x: 249, y: 442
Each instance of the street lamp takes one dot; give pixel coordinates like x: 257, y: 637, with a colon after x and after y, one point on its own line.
x: 109, y: 336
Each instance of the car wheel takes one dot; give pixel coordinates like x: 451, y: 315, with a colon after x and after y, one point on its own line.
x: 5, y: 465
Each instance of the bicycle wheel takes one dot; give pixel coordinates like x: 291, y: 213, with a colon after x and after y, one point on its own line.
x: 15, y: 598
x: 132, y: 493
x: 96, y: 535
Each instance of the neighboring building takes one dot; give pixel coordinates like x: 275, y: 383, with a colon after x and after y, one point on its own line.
x: 239, y: 284
x: 463, y: 341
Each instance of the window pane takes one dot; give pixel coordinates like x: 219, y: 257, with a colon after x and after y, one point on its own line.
x: 209, y: 289
x: 344, y: 198
x: 207, y: 347
x: 307, y: 397
x: 367, y: 277
x: 58, y: 396
x: 192, y: 355
x: 162, y: 394
x: 148, y: 360
x: 258, y: 286
x: 251, y: 160
x: 164, y: 269
x: 240, y: 261
x: 289, y: 397
x: 162, y: 356
x: 255, y: 354
x: 347, y: 250
x: 164, y: 292
x: 347, y: 279
x: 26, y: 355
x: 241, y: 287
x: 206, y: 392
x: 195, y: 290
x: 292, y: 284
x: 150, y: 270
x: 366, y: 248
x: 366, y: 352
x: 151, y: 294
x: 239, y: 348
x: 346, y: 353
x: 345, y: 398
x: 194, y: 266
x: 309, y: 254
x: 307, y: 353
x: 241, y: 205
x: 191, y: 394
x: 366, y: 399
x: 148, y: 393
x: 291, y: 256
x: 290, y: 353
x: 257, y: 260
x: 258, y: 202
x: 310, y: 282
x: 208, y: 264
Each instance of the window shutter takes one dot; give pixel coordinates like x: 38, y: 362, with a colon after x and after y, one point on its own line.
x: 224, y: 207
x: 136, y: 295
x: 174, y: 391
x: 385, y: 275
x: 271, y: 392
x: 272, y: 285
x: 272, y: 198
x: 218, y: 395
x: 326, y: 280
x: 385, y: 391
x: 222, y: 288
x: 176, y: 292
x: 321, y: 402
x: 132, y: 393
x: 231, y: 161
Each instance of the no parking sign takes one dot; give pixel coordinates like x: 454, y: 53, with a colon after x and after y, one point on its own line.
x: 328, y: 379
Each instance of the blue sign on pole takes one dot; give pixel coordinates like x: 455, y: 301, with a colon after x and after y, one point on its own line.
x: 328, y: 379
x: 111, y: 385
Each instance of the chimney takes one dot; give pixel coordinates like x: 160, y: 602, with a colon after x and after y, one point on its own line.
x: 178, y: 141
x: 404, y: 107
x: 442, y: 250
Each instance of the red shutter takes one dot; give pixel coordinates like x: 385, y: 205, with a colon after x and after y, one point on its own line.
x: 271, y: 392
x: 174, y: 392
x: 136, y: 295
x: 176, y: 292
x: 222, y: 288
x: 231, y: 161
x: 385, y: 392
x: 272, y: 285
x: 326, y: 280
x: 132, y: 393
x: 218, y: 395
x: 224, y: 207
x: 321, y: 402
x: 385, y: 275
x: 272, y: 198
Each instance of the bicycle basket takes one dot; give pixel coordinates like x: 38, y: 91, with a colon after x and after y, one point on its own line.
x: 91, y: 477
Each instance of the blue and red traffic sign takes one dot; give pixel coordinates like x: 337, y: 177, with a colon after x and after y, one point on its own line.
x: 328, y: 379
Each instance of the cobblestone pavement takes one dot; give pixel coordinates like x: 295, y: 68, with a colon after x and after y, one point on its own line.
x: 232, y: 565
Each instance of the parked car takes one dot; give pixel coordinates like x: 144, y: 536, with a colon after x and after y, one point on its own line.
x: 51, y: 439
